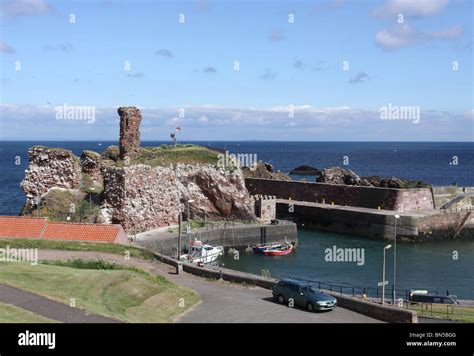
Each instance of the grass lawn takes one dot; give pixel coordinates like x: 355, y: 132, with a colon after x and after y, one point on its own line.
x: 124, y: 294
x: 458, y: 313
x: 76, y: 246
x: 12, y: 314
x: 168, y: 154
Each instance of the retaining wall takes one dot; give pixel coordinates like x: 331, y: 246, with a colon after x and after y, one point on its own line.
x: 442, y: 195
x: 437, y: 225
x: 366, y: 197
x: 352, y: 222
x: 240, y: 237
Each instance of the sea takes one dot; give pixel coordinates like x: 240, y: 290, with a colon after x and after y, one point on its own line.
x: 426, y: 265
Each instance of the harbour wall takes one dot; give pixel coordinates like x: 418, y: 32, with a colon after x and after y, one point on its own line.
x: 436, y: 225
x: 345, y: 195
x: 442, y: 195
x: 351, y: 221
x: 239, y: 237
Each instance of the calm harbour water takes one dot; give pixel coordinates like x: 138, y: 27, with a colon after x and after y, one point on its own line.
x: 424, y: 265
x: 428, y: 265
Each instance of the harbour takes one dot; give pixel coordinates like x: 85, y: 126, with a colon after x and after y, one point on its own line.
x: 431, y: 265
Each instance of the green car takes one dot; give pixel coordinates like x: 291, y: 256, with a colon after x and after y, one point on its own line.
x: 302, y: 294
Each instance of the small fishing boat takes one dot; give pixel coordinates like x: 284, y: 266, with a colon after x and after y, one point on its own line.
x: 284, y: 249
x: 203, y: 253
x: 260, y: 248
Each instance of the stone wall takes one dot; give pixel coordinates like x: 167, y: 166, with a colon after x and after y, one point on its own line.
x: 442, y: 195
x: 48, y: 168
x: 129, y: 142
x: 379, y: 225
x: 367, y: 197
x: 140, y: 197
x: 352, y: 222
x: 240, y: 237
x: 264, y: 207
x: 443, y: 225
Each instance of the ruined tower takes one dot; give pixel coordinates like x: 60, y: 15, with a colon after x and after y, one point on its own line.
x: 130, y: 118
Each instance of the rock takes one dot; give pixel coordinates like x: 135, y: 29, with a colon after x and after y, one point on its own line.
x: 141, y: 197
x: 129, y: 142
x: 305, y: 171
x: 216, y: 194
x: 111, y: 153
x: 263, y: 170
x: 91, y: 163
x: 338, y: 175
x: 49, y: 168
x: 397, y: 183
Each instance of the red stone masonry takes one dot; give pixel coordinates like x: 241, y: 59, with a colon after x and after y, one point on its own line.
x: 365, y: 197
x: 130, y: 119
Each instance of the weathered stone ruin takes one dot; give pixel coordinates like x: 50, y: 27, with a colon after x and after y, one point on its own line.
x: 130, y: 188
x: 130, y: 119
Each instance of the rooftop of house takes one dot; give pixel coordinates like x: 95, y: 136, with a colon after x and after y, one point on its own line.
x: 30, y: 227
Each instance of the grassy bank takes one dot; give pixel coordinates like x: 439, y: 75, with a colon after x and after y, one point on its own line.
x: 77, y: 246
x: 124, y: 294
x: 12, y: 314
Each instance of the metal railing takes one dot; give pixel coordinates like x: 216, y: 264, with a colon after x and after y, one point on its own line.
x: 369, y: 292
x: 463, y: 209
x: 441, y: 311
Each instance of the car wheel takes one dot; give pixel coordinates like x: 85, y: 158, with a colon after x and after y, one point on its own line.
x: 310, y: 307
x: 281, y: 299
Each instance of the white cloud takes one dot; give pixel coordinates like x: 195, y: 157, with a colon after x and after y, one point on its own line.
x: 410, y: 8
x: 240, y: 123
x: 15, y: 8
x: 403, y: 35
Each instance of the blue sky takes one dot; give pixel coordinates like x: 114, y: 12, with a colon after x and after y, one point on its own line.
x: 283, y: 65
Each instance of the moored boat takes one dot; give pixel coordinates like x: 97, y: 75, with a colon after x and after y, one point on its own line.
x: 284, y: 249
x: 203, y: 253
x: 260, y: 248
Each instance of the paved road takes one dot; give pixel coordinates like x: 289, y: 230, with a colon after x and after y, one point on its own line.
x: 227, y: 303
x: 47, y: 307
x: 222, y: 302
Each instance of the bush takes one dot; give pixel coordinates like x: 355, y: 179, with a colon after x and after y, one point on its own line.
x: 82, y: 264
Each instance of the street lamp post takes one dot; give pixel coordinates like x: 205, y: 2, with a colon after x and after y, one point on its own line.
x: 383, y: 273
x: 394, y: 289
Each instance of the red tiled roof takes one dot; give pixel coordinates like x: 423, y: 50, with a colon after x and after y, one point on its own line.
x: 22, y: 227
x: 81, y: 232
x: 29, y: 227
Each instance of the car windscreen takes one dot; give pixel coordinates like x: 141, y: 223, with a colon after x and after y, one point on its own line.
x: 310, y: 290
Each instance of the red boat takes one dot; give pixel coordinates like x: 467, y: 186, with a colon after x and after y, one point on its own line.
x: 284, y: 249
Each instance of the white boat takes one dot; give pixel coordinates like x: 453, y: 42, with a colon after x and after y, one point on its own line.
x: 203, y: 253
